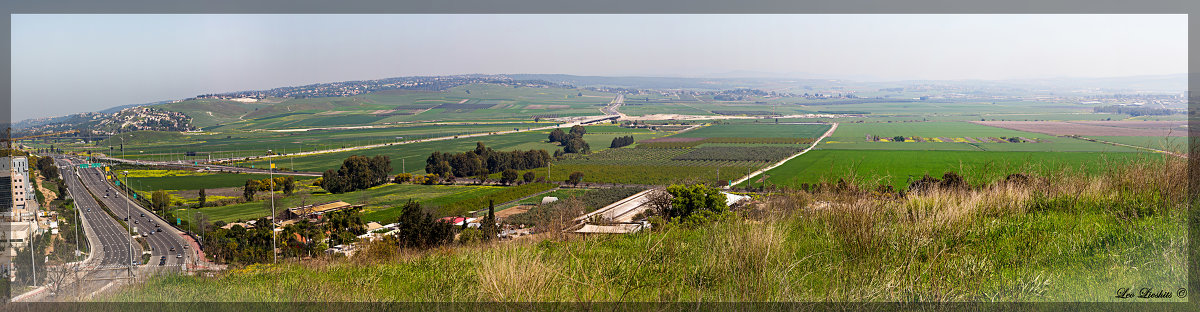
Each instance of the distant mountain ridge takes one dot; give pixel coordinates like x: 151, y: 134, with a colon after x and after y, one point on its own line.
x: 730, y: 80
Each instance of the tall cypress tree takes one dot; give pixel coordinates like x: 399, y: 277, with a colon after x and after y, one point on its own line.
x: 490, y: 230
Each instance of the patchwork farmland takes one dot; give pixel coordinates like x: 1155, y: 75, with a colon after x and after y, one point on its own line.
x: 713, y: 154
x: 854, y: 177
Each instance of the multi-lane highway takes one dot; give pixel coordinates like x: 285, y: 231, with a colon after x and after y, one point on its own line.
x: 162, y: 239
x: 111, y: 256
x: 114, y: 254
x: 115, y: 246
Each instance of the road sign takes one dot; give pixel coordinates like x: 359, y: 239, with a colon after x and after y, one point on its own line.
x: 178, y: 221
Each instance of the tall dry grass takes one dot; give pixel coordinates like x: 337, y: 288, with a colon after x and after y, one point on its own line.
x: 1050, y: 235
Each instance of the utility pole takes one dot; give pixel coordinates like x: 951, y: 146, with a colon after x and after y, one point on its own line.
x: 32, y: 262
x: 78, y: 224
x: 274, y: 256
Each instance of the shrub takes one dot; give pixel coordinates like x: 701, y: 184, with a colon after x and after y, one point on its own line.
x: 621, y: 141
x: 509, y: 176
x: 575, y: 178
x: 470, y: 236
x: 687, y: 200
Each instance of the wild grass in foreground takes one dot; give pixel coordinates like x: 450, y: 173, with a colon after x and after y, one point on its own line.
x: 1060, y: 236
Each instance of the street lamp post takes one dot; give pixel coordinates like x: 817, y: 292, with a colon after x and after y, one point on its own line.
x: 126, y: 173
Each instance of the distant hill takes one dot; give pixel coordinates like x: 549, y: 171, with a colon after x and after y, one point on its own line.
x: 213, y: 110
x: 651, y: 82
x: 1155, y: 83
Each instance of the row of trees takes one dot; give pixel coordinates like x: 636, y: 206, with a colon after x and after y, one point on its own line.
x: 1134, y: 110
x: 240, y: 245
x: 483, y: 161
x: 357, y: 173
x: 252, y: 187
x: 621, y: 141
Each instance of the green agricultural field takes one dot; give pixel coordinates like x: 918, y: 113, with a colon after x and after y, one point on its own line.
x: 416, y: 153
x: 643, y: 174
x: 852, y: 136
x: 208, y: 113
x: 153, y: 180
x: 468, y: 102
x: 950, y: 107
x: 172, y: 146
x: 756, y: 131
x: 636, y: 165
x: 633, y: 108
x: 897, y: 167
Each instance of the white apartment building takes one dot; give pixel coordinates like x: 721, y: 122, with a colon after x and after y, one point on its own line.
x: 16, y: 172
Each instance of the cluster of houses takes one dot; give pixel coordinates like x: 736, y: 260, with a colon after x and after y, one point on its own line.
x: 618, y: 214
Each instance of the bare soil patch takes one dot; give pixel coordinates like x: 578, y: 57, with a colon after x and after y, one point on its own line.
x: 1179, y: 125
x: 518, y: 209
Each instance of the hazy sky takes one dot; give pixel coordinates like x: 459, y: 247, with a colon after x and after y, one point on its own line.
x: 64, y: 64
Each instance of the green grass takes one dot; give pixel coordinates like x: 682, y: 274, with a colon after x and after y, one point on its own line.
x: 192, y: 181
x: 896, y: 167
x: 756, y: 131
x: 1170, y: 144
x: 642, y: 174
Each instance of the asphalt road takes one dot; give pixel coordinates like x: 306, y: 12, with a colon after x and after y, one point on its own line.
x: 163, y: 239
x: 112, y: 249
